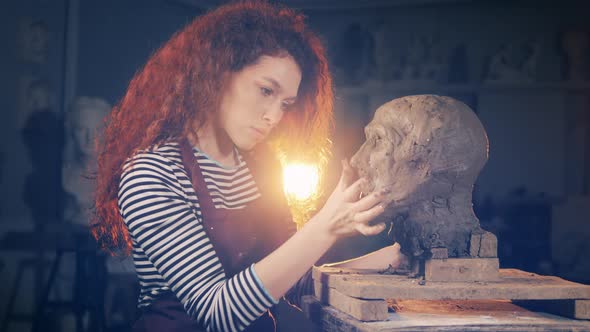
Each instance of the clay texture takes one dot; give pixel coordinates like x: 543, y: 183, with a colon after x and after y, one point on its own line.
x: 428, y: 150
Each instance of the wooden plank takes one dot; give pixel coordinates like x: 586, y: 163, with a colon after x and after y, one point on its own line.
x: 439, y: 253
x: 578, y: 309
x: 488, y: 246
x: 363, y: 310
x: 327, y: 318
x: 513, y: 285
x: 462, y: 269
x: 582, y: 309
x: 474, y: 245
x: 483, y: 245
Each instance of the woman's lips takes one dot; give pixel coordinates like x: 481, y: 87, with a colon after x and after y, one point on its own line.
x: 260, y: 133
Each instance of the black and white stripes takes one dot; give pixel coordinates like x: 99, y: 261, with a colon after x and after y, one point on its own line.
x: 171, y: 250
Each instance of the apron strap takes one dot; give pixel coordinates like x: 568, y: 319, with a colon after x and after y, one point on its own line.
x: 194, y: 173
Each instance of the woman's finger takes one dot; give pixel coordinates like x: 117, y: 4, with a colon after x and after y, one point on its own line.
x: 347, y: 176
x: 370, y: 230
x: 353, y: 192
x: 370, y: 200
x: 363, y: 217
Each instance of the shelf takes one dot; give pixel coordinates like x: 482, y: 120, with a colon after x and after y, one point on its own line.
x: 331, y: 4
x: 370, y: 88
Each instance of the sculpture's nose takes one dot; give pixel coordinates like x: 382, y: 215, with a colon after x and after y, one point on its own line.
x: 354, y: 161
x: 357, y: 161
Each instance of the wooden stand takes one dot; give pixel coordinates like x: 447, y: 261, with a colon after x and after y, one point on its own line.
x: 451, y: 294
x: 363, y: 295
x: 448, y: 316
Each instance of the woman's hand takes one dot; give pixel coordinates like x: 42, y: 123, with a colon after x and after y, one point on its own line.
x: 344, y: 214
x: 396, y: 258
x: 387, y: 258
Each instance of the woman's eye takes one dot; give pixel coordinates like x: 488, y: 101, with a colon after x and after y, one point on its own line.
x: 286, y: 106
x: 266, y: 91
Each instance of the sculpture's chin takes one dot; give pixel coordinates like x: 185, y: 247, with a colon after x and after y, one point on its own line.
x: 367, y: 188
x: 397, y: 206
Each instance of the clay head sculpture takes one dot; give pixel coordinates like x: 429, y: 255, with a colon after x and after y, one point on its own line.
x: 428, y: 150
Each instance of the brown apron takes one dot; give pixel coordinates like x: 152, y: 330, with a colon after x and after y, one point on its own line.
x: 240, y: 237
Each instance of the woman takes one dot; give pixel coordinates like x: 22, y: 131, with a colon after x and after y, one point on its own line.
x: 186, y: 183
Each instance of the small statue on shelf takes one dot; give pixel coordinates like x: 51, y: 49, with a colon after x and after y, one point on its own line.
x: 413, y: 59
x: 83, y: 121
x: 530, y: 63
x: 387, y: 59
x: 33, y: 41
x: 501, y: 68
x: 353, y: 61
x: 512, y: 64
x: 433, y: 66
x: 43, y: 193
x: 575, y: 45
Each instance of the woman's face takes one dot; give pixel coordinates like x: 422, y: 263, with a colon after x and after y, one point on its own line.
x: 256, y: 98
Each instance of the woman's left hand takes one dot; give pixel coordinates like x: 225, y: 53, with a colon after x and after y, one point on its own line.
x: 389, y: 257
x: 397, y: 258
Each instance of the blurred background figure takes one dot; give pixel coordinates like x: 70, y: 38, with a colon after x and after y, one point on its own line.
x: 82, y: 122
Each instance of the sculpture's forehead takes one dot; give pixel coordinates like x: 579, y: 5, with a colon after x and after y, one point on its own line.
x: 400, y: 114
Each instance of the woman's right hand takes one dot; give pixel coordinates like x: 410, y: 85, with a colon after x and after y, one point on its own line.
x: 345, y: 213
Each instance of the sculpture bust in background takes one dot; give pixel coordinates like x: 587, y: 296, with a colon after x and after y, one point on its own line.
x: 82, y: 122
x: 428, y: 150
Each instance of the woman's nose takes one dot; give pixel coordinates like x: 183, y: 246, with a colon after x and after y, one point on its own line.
x: 273, y: 114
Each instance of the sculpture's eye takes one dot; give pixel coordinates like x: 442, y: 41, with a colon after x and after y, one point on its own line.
x: 376, y: 139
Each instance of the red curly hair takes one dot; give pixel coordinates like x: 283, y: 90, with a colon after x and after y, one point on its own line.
x: 182, y: 82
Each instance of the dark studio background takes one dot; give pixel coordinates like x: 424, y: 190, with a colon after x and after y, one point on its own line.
x: 523, y: 66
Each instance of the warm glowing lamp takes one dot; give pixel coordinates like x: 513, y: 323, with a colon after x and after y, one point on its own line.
x: 301, y: 181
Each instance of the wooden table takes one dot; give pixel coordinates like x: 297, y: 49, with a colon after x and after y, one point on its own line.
x: 356, y: 301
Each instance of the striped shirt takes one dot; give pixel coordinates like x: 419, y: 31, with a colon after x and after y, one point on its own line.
x: 171, y: 250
